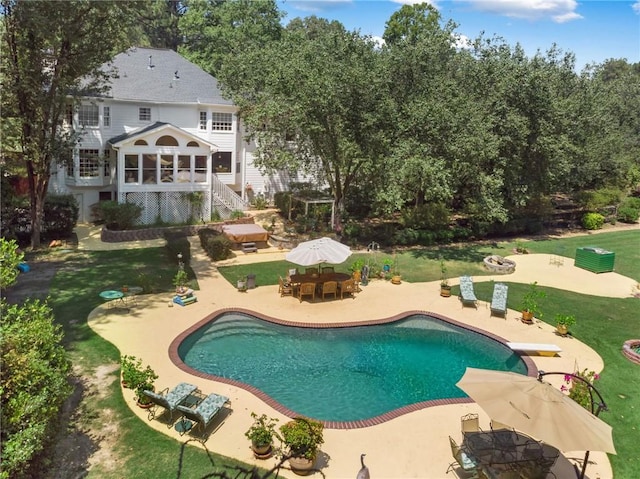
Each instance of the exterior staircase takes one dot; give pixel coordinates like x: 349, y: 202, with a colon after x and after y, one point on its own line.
x: 224, y: 200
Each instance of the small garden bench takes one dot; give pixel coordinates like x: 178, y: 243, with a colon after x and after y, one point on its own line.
x: 540, y: 348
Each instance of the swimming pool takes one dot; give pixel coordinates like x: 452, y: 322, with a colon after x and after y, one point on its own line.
x: 348, y: 373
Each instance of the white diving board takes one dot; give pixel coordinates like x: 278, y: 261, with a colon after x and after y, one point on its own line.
x: 540, y: 348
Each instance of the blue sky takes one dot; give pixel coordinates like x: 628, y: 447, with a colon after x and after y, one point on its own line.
x: 594, y: 30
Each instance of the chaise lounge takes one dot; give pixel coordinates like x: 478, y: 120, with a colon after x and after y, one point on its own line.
x: 467, y: 294
x: 169, y: 400
x: 499, y: 299
x: 204, y: 412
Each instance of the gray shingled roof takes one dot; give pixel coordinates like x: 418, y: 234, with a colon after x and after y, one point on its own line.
x: 154, y: 126
x: 170, y: 78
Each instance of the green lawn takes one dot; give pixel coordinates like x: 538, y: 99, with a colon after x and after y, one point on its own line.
x: 603, y: 323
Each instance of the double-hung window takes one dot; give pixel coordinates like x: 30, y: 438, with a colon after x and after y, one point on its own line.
x: 89, y: 163
x: 144, y: 113
x: 106, y: 116
x: 202, y: 122
x: 88, y: 115
x: 221, y: 121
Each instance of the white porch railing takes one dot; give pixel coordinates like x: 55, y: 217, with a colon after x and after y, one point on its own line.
x: 224, y: 200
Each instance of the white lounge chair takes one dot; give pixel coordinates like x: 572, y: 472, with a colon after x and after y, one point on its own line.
x: 467, y: 294
x: 499, y: 299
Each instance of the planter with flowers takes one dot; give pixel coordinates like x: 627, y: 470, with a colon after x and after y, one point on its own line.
x: 580, y: 390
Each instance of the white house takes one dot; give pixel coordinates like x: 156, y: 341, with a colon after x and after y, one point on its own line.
x: 162, y: 137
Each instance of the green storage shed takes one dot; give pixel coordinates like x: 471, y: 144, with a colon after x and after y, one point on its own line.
x: 595, y: 259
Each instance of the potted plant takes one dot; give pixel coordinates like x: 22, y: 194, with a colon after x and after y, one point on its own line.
x: 138, y: 378
x: 261, y: 435
x: 301, y: 438
x: 529, y: 304
x: 180, y: 280
x: 386, y: 264
x: 242, y: 283
x: 564, y: 322
x: 396, y: 278
x: 356, y: 269
x: 445, y: 287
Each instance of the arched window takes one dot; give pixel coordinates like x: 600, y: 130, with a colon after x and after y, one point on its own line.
x: 167, y: 140
x: 194, y: 143
x: 141, y: 143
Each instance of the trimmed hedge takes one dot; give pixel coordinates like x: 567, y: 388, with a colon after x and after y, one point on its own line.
x: 215, y: 244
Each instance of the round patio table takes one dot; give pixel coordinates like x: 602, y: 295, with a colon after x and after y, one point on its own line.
x: 111, y: 296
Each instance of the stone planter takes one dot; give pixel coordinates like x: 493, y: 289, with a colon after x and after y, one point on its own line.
x: 301, y: 465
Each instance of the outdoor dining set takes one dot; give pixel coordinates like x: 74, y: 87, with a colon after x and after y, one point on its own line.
x: 318, y: 279
x: 312, y: 283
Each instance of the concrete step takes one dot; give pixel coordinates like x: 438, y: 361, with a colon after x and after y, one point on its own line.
x: 249, y: 248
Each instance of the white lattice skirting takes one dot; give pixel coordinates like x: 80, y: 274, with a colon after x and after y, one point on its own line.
x: 170, y: 207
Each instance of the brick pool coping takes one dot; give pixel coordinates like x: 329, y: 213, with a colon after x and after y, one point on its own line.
x: 532, y: 370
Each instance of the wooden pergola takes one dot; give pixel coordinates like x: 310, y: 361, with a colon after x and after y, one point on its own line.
x: 308, y: 202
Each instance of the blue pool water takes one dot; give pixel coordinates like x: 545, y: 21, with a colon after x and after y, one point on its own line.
x: 345, y: 374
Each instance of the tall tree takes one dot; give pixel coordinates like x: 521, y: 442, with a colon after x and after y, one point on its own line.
x: 158, y: 23
x: 315, y: 102
x: 52, y: 50
x: 214, y: 30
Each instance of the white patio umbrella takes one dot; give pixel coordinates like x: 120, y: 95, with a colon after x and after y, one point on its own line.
x: 322, y: 250
x: 539, y: 409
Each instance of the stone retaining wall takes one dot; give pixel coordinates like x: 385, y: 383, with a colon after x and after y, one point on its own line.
x: 121, y: 236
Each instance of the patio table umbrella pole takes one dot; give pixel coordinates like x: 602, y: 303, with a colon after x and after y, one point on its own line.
x: 601, y: 406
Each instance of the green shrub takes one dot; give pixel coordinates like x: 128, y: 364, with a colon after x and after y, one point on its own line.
x: 593, y: 200
x: 60, y: 216
x: 119, y: 216
x: 215, y: 244
x: 237, y: 214
x: 628, y: 214
x: 34, y: 384
x: 282, y: 200
x: 593, y: 221
x: 259, y: 202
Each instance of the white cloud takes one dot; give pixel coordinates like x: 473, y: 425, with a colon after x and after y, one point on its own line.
x: 315, y: 6
x: 560, y: 11
x: 636, y: 7
x: 462, y: 42
x: 379, y: 41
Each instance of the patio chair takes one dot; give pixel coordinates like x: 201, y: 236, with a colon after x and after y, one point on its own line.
x: 467, y: 294
x: 307, y: 289
x: 348, y: 287
x: 311, y: 271
x: 466, y: 461
x: 470, y: 423
x: 330, y: 287
x: 499, y: 299
x: 293, y: 272
x: 284, y: 287
x: 328, y: 269
x: 204, y: 412
x: 168, y: 400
